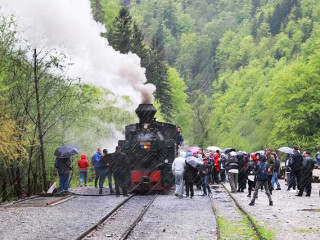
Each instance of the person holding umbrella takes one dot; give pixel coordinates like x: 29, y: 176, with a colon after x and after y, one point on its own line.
x: 64, y: 167
x: 63, y: 164
x: 190, y: 173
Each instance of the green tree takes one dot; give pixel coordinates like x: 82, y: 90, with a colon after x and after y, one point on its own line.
x: 280, y: 14
x: 181, y: 109
x: 120, y: 34
x: 157, y: 73
x: 97, y: 10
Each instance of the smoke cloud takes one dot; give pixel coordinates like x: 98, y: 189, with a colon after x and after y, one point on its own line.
x: 68, y: 26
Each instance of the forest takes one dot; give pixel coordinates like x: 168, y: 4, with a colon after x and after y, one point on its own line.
x: 231, y: 73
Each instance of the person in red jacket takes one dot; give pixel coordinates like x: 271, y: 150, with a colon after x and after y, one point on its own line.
x: 83, y: 164
x: 216, y: 168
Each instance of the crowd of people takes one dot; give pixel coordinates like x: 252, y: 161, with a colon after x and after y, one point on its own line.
x: 105, y: 166
x: 243, y: 171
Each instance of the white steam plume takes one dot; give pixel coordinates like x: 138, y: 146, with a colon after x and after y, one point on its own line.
x: 68, y: 26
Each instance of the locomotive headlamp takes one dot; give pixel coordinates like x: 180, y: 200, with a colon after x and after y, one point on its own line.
x: 166, y: 161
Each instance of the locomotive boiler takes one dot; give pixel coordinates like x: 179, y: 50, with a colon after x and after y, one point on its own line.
x: 150, y: 147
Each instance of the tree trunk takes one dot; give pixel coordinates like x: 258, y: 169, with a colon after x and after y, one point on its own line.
x: 3, y: 182
x: 18, y: 182
x: 30, y: 171
x: 39, y: 124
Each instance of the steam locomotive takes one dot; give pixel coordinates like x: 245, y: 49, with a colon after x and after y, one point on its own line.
x: 150, y: 147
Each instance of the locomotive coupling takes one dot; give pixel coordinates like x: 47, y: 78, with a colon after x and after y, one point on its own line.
x: 145, y: 180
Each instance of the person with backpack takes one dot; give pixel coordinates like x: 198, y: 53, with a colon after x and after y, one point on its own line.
x: 95, y: 162
x: 295, y: 168
x: 261, y: 170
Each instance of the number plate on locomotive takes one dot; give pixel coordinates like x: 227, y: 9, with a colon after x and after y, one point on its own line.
x: 145, y: 145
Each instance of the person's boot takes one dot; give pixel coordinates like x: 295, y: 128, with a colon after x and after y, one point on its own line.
x: 251, y: 203
x: 271, y: 203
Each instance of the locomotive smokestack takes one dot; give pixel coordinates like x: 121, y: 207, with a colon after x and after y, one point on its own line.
x: 146, y: 112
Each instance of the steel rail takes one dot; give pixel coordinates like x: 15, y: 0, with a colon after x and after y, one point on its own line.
x: 216, y: 217
x: 126, y: 234
x: 90, y: 229
x: 254, y: 226
x: 59, y: 201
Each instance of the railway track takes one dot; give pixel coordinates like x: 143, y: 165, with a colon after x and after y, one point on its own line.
x: 121, y: 220
x: 39, y: 201
x: 233, y: 222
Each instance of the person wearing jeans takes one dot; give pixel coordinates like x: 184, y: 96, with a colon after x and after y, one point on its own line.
x: 276, y: 168
x: 105, y: 162
x: 83, y: 164
x: 64, y: 167
x: 205, y: 173
x: 95, y: 162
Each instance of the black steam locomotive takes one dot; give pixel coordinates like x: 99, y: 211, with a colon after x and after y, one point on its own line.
x: 150, y: 147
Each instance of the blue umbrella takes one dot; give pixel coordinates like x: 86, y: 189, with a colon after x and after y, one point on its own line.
x: 66, y: 151
x: 286, y: 150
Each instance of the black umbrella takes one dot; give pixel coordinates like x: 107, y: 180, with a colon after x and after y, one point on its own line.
x: 193, y: 161
x: 286, y: 150
x: 66, y: 151
x: 261, y: 152
x: 228, y: 150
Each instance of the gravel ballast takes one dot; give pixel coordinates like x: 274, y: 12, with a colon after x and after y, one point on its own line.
x: 169, y: 217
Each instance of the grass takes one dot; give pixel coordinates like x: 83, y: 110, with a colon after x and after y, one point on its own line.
x: 236, y: 229
x: 306, y: 230
x: 265, y: 233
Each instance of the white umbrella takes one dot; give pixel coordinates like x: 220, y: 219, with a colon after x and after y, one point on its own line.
x: 193, y: 161
x: 286, y: 150
x: 213, y: 148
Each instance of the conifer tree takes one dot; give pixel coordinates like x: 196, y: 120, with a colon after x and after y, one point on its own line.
x: 97, y: 11
x: 157, y: 73
x: 121, y: 31
x: 137, y: 45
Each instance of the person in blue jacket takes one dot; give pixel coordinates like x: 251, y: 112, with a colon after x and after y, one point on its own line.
x: 95, y: 162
